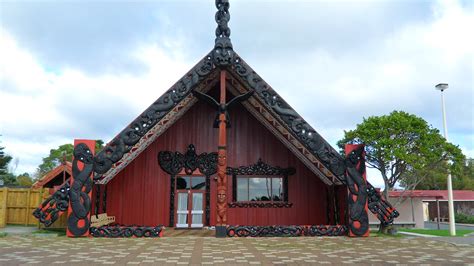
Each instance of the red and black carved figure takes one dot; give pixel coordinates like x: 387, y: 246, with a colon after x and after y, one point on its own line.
x: 78, y: 220
x: 357, y: 189
x: 380, y: 206
x: 50, y: 210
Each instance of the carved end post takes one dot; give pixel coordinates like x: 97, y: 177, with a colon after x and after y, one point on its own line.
x: 222, y: 165
x: 80, y: 193
x: 357, y: 190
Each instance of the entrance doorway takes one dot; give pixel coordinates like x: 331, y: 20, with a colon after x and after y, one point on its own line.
x: 190, y: 191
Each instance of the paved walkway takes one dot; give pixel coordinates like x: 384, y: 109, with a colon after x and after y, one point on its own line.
x: 16, y: 250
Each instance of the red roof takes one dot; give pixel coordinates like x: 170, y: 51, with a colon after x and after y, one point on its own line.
x: 67, y: 167
x: 433, y: 194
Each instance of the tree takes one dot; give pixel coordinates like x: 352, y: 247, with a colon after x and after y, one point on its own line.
x: 436, y: 178
x: 5, y: 175
x: 24, y: 180
x: 403, y: 146
x: 4, y: 161
x: 58, y: 155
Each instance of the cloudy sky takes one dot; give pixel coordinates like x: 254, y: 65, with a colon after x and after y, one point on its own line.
x: 85, y: 69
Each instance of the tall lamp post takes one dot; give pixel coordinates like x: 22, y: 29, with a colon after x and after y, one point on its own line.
x: 452, y: 228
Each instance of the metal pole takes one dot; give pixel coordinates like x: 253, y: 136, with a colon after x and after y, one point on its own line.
x: 452, y: 223
x: 437, y: 213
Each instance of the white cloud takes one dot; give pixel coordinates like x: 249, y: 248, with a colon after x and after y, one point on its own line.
x: 332, y: 87
x: 44, y: 109
x: 399, y: 73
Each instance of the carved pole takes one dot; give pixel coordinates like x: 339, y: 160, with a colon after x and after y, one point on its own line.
x: 222, y: 164
x: 80, y: 193
x: 357, y: 190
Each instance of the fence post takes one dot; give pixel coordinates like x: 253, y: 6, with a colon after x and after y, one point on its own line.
x: 27, y: 214
x: 3, y: 208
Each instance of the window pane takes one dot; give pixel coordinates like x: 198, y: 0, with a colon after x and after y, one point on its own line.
x: 182, y: 182
x: 259, y: 189
x: 198, y: 182
x: 277, y: 189
x: 242, y: 189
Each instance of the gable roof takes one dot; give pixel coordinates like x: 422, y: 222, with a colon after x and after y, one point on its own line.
x: 58, y: 171
x: 265, y: 104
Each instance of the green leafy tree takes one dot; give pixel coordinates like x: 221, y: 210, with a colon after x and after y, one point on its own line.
x: 24, y: 180
x: 436, y: 178
x: 58, y: 155
x: 7, y: 177
x: 403, y: 147
x: 466, y: 179
x: 4, y: 161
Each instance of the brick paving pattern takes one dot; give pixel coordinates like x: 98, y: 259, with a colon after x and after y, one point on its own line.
x: 15, y: 250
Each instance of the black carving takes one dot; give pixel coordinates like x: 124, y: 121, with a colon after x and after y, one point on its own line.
x: 380, y: 207
x: 223, y: 52
x: 126, y: 231
x: 325, y: 230
x: 358, y: 217
x: 49, y: 210
x: 222, y: 108
x: 261, y: 168
x: 174, y: 162
x: 259, y: 204
x: 81, y: 186
x: 287, y: 231
x: 122, y: 144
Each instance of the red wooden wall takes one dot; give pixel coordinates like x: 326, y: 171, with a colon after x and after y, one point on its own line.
x: 140, y: 193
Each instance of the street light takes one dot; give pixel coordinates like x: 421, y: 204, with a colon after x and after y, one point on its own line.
x: 452, y: 227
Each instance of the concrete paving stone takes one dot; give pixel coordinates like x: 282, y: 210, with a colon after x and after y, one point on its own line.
x: 16, y: 250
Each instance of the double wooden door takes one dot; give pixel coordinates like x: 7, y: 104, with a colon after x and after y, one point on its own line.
x: 190, y: 195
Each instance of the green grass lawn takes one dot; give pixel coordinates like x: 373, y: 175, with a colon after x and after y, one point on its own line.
x: 435, y: 232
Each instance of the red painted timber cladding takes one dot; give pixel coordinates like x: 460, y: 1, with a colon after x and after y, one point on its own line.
x: 140, y: 193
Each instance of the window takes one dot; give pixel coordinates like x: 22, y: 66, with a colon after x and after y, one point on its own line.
x: 260, y: 189
x: 191, y: 182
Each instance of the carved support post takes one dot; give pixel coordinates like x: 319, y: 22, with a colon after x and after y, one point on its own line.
x: 222, y: 164
x: 357, y: 190
x: 80, y: 193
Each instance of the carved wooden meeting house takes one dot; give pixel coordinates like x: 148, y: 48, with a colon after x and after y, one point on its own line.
x: 220, y: 149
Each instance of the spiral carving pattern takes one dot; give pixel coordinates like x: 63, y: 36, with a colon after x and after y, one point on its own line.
x: 78, y: 220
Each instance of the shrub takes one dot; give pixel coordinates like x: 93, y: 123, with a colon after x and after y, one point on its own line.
x: 464, y: 218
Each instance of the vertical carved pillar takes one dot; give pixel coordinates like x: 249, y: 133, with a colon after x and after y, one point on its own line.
x: 357, y: 190
x: 222, y: 164
x: 79, y: 211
